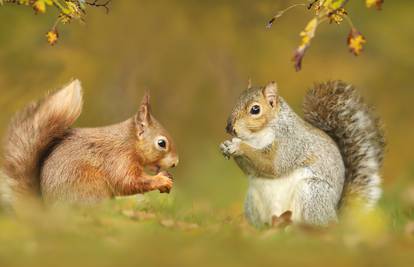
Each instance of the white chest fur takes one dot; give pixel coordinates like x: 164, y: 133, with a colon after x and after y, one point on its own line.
x: 268, y: 197
x: 262, y: 138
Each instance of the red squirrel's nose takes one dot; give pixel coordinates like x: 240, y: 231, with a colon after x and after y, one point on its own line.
x: 175, y: 163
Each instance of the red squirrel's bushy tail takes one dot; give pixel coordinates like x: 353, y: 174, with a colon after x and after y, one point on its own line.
x: 338, y: 109
x: 31, y: 133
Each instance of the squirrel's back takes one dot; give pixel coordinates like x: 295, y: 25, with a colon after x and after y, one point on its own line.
x: 336, y: 108
x: 32, y: 133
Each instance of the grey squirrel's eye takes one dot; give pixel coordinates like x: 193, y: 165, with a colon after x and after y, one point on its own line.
x: 161, y: 143
x: 255, y: 109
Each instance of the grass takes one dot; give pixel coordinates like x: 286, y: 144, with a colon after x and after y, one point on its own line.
x: 159, y: 230
x: 201, y: 222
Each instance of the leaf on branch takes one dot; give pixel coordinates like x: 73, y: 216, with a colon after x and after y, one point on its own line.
x: 334, y: 4
x: 307, y: 35
x: 337, y: 15
x: 356, y: 42
x: 52, y: 36
x: 39, y: 6
x: 73, y: 8
x: 374, y: 3
x: 64, y: 19
x: 68, y: 10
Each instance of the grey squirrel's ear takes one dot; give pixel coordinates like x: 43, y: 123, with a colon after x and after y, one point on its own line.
x: 143, y: 118
x: 270, y: 93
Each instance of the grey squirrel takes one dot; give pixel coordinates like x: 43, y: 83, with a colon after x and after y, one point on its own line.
x: 306, y: 169
x: 44, y: 157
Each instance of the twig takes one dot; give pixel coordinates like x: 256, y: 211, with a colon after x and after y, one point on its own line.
x: 280, y: 13
x: 96, y: 3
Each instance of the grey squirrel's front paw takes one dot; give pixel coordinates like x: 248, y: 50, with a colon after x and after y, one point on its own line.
x: 230, y: 148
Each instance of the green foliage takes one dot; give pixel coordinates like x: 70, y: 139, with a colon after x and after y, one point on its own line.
x: 158, y: 230
x: 68, y: 10
x: 334, y: 12
x: 195, y: 57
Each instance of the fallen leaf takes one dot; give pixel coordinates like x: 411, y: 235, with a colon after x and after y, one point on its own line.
x: 170, y: 223
x: 138, y: 215
x: 409, y: 229
x: 167, y: 223
x: 280, y: 222
x: 408, y: 196
x: 187, y: 226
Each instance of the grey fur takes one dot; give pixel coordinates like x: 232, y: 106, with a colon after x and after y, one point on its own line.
x: 338, y: 109
x: 300, y: 145
x: 327, y: 153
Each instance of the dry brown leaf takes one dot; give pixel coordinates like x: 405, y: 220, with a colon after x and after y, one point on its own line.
x: 409, y: 229
x: 138, y: 215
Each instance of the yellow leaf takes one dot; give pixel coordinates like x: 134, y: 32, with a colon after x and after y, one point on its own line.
x: 40, y: 6
x: 374, y: 3
x: 64, y: 19
x: 337, y: 16
x: 356, y: 42
x: 309, y: 31
x: 73, y: 9
x: 52, y: 36
x: 307, y: 35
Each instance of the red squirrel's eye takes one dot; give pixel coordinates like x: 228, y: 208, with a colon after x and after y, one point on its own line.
x: 161, y: 143
x: 255, y: 109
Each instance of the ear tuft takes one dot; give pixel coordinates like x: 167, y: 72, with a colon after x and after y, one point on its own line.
x: 145, y: 108
x: 249, y: 83
x: 146, y: 98
x: 143, y: 118
x: 270, y: 93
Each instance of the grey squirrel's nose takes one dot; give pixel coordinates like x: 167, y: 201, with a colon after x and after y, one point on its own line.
x: 229, y: 127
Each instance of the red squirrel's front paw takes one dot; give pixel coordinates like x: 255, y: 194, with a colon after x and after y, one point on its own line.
x: 167, y: 174
x: 230, y: 148
x: 165, y: 182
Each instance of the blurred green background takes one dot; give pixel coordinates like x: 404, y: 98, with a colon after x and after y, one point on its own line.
x: 196, y: 57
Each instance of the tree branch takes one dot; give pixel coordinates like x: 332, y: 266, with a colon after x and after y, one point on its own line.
x: 96, y: 3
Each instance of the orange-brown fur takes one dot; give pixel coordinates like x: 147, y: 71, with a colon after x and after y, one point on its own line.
x: 84, y: 165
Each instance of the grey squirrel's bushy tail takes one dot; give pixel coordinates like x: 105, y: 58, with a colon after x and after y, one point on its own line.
x: 31, y: 133
x: 336, y: 108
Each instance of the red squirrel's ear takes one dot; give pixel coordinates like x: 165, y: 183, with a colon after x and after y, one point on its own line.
x: 270, y: 93
x: 143, y: 118
x: 249, y: 83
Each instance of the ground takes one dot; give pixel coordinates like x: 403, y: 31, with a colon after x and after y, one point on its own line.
x: 159, y: 230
